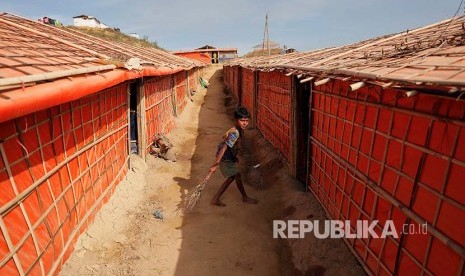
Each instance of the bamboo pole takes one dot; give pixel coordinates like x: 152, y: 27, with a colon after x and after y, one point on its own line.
x: 406, y: 111
x: 293, y: 127
x: 53, y: 75
x: 329, y: 215
x: 321, y: 82
x: 7, y: 206
x: 128, y: 120
x: 52, y: 37
x: 366, y: 75
x: 85, y: 218
x: 142, y: 119
x: 357, y: 85
x: 174, y: 92
x: 307, y: 79
x: 409, y: 213
x: 13, y: 182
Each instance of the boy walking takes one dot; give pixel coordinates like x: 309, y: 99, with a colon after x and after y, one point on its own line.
x: 226, y: 157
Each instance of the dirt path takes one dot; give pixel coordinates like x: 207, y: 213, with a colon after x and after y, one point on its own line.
x: 126, y: 239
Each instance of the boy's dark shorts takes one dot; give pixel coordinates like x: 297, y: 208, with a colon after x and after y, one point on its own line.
x: 228, y: 168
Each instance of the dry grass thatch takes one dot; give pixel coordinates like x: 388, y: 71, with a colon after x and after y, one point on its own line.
x: 262, y: 53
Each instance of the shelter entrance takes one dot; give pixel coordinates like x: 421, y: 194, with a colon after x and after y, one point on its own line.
x: 134, y: 118
x: 302, y: 129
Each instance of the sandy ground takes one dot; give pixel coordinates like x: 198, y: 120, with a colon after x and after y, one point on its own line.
x: 127, y: 239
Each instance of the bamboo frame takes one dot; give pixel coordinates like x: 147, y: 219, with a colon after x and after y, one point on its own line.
x: 86, y: 218
x: 141, y: 120
x: 239, y: 85
x: 319, y: 127
x: 439, y: 235
x: 383, y: 163
x: 53, y: 75
x: 12, y: 203
x: 13, y: 183
x: 255, y: 97
x: 159, y: 89
x: 52, y: 37
x: 272, y: 88
x: 112, y: 49
x: 174, y: 92
x: 293, y: 151
x: 309, y: 134
x: 128, y: 122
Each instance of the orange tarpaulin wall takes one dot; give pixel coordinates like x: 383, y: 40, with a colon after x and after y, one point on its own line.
x: 193, y: 81
x: 247, y: 88
x: 273, y: 110
x: 181, y: 90
x: 57, y: 167
x: 235, y: 81
x: 158, y: 107
x: 203, y: 57
x: 378, y: 155
x: 226, y: 77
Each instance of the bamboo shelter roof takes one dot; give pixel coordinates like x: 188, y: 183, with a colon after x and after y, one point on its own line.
x: 42, y: 65
x: 433, y: 55
x: 29, y: 48
x: 27, y: 52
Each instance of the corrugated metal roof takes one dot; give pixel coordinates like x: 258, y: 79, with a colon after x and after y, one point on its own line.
x: 429, y: 56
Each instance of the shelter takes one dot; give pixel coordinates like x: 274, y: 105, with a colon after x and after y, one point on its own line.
x: 376, y: 131
x: 209, y: 54
x: 271, y: 44
x: 66, y: 129
x: 88, y: 21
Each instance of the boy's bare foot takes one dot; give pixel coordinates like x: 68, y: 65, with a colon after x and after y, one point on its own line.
x: 249, y: 200
x: 218, y: 203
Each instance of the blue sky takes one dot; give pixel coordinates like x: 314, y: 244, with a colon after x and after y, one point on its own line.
x: 301, y: 24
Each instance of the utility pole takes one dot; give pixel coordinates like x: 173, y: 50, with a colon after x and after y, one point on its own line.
x: 266, y: 37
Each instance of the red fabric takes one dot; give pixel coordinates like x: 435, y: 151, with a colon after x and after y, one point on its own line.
x: 20, y: 102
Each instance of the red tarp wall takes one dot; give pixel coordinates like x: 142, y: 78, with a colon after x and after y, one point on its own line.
x: 274, y: 110
x: 235, y: 81
x: 181, y: 90
x: 203, y: 57
x: 58, y: 166
x: 193, y: 82
x: 378, y: 155
x: 247, y: 88
x: 158, y: 107
x: 226, y: 76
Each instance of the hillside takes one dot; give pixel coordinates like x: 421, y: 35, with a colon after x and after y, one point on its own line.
x: 117, y: 36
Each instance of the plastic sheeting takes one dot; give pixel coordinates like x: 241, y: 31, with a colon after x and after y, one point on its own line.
x: 181, y: 91
x: 57, y: 167
x: 376, y: 154
x: 203, y: 57
x: 379, y: 155
x: 159, y: 107
x: 247, y: 89
x: 274, y: 110
x: 20, y: 102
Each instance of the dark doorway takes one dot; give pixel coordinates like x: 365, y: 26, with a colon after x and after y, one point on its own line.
x: 303, y: 124
x: 133, y: 121
x: 214, y: 57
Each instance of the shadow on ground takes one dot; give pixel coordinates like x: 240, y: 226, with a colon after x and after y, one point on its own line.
x: 238, y: 239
